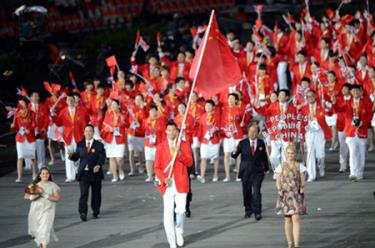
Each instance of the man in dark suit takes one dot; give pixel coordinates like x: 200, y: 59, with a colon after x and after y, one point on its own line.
x: 91, y: 154
x: 254, y: 164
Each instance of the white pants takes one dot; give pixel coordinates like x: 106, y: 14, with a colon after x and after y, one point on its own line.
x: 70, y: 166
x: 40, y: 149
x: 281, y: 75
x: 357, y: 152
x: 170, y: 198
x: 344, y: 151
x: 40, y: 153
x: 315, y: 148
x: 278, y: 153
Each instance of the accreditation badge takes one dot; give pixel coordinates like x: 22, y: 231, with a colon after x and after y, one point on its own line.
x: 314, y: 125
x: 133, y: 125
x: 208, y: 135
x: 116, y: 132
x: 152, y: 139
x: 21, y: 131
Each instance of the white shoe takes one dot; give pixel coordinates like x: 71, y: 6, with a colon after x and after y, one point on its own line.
x: 149, y: 179
x: 201, y: 179
x: 114, y: 180
x: 179, y: 240
x: 51, y: 162
x: 238, y: 179
x: 322, y: 172
x: 226, y: 180
x: 109, y: 172
x: 69, y: 180
x: 122, y: 175
x: 310, y: 180
x: 215, y: 179
x: 131, y: 174
x: 18, y: 181
x: 274, y: 176
x: 34, y: 176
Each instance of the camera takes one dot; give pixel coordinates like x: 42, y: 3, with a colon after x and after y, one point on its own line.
x: 356, y: 122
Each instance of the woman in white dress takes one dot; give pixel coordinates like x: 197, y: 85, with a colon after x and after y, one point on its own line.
x: 42, y: 210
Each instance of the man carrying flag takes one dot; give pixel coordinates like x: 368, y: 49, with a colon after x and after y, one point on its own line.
x: 173, y: 156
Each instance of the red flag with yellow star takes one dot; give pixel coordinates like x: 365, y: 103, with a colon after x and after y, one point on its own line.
x: 214, y: 66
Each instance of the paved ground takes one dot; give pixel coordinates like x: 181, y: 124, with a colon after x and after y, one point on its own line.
x: 341, y: 214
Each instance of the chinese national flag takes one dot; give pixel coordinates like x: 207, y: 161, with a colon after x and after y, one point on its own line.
x: 111, y: 61
x: 219, y: 68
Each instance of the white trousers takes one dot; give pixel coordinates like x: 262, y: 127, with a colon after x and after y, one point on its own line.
x: 344, y: 151
x: 40, y: 149
x: 278, y: 153
x: 170, y: 198
x: 281, y: 75
x: 70, y: 166
x: 315, y: 148
x: 357, y: 153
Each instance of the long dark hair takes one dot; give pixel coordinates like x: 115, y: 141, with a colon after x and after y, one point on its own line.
x: 38, y: 178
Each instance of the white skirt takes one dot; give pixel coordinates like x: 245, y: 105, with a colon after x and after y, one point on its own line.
x: 150, y: 153
x: 114, y: 150
x: 373, y: 121
x: 136, y: 143
x: 331, y: 120
x: 51, y: 132
x: 229, y: 143
x: 210, y: 151
x: 25, y: 150
x: 196, y: 143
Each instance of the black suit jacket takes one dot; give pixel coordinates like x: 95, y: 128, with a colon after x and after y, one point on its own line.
x: 96, y: 156
x: 250, y: 165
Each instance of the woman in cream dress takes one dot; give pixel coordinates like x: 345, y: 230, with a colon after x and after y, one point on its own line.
x: 42, y: 210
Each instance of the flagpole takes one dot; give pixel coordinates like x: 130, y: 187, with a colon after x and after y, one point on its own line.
x: 171, y: 165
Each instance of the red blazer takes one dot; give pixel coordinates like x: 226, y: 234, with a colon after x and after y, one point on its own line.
x: 340, y: 124
x: 50, y: 101
x: 196, y: 110
x: 158, y: 129
x: 86, y: 97
x: 183, y: 161
x: 365, y: 116
x: 297, y: 76
x: 231, y: 122
x: 28, y: 123
x: 320, y: 116
x: 139, y: 114
x: 109, y: 124
x: 97, y: 106
x: 41, y: 119
x: 173, y: 65
x: 72, y: 128
x: 189, y: 124
x: 369, y: 86
x: 205, y: 125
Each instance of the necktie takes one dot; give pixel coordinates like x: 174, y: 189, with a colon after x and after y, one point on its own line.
x: 72, y: 115
x: 312, y: 115
x: 88, y: 147
x: 252, y: 148
x: 172, y: 150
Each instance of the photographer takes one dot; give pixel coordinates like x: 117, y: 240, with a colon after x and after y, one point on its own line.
x: 358, y: 115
